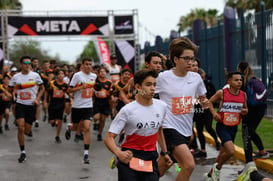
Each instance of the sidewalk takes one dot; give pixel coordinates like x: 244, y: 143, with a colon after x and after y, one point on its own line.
x: 264, y: 164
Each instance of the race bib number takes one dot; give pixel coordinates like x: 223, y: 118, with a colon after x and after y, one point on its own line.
x: 114, y: 78
x: 141, y: 165
x: 181, y: 105
x: 5, y: 98
x: 25, y: 95
x: 101, y: 94
x: 58, y: 93
x: 231, y: 119
x: 87, y: 93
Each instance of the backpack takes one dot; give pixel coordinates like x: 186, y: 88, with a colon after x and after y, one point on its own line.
x: 256, y: 92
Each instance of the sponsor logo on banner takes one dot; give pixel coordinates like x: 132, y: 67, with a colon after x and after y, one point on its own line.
x: 124, y: 25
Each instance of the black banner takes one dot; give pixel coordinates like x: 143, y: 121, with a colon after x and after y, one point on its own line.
x: 124, y: 25
x: 125, y: 52
x: 33, y: 26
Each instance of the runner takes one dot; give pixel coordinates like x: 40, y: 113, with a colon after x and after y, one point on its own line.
x: 47, y: 75
x: 56, y: 92
x: 113, y: 68
x: 232, y: 106
x: 103, y: 89
x: 179, y: 88
x: 81, y: 86
x: 27, y: 98
x: 5, y: 102
x: 142, y: 121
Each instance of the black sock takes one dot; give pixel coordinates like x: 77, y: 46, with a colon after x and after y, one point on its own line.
x: 22, y: 147
x: 86, y: 147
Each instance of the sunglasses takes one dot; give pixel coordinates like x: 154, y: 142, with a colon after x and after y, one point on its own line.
x: 27, y: 63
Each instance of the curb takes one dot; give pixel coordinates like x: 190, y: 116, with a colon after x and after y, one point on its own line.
x: 264, y: 164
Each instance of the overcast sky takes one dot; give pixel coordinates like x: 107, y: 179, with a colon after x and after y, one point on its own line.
x: 157, y: 16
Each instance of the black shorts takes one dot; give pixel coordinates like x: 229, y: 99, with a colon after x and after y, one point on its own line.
x: 54, y: 113
x: 126, y: 173
x: 226, y: 133
x: 4, y: 105
x: 102, y: 106
x: 173, y: 138
x: 27, y: 112
x: 80, y: 114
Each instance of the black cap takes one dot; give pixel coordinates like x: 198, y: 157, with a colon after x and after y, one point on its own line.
x: 113, y: 56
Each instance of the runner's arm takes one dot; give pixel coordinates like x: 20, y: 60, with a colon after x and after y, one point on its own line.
x: 244, y: 109
x: 218, y: 96
x: 162, y: 144
x: 109, y: 141
x: 126, y: 88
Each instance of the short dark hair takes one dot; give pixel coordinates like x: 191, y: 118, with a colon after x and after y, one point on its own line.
x: 125, y: 70
x: 34, y: 58
x: 57, y: 71
x: 24, y: 57
x: 89, y: 59
x: 143, y: 74
x: 232, y: 73
x: 102, y: 67
x: 150, y: 55
x: 53, y: 62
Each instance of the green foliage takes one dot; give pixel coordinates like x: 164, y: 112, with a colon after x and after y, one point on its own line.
x: 31, y: 48
x: 89, y: 51
x: 10, y: 5
x: 208, y: 16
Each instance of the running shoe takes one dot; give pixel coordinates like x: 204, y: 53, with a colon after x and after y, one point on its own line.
x: 68, y: 132
x: 207, y: 178
x: 215, y: 175
x: 29, y: 134
x: 6, y: 127
x: 113, y: 162
x: 177, y: 167
x: 261, y: 156
x: 58, y: 139
x: 1, y: 130
x: 99, y: 137
x: 36, y: 124
x: 245, y: 174
x: 81, y: 136
x: 200, y: 154
x: 22, y: 158
x: 85, y: 159
x: 44, y: 119
x: 77, y: 138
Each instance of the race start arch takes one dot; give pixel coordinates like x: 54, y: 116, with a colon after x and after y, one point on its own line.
x: 119, y: 28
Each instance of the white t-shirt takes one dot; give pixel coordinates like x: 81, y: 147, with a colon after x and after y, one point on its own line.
x: 141, y: 124
x: 180, y: 95
x: 83, y: 97
x: 26, y: 86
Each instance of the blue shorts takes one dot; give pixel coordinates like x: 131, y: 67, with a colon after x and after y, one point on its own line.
x: 226, y: 133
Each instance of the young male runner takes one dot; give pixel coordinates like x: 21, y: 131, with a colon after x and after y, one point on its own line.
x: 180, y: 89
x: 142, y: 121
x: 56, y: 92
x: 25, y: 83
x: 81, y: 86
x: 231, y: 106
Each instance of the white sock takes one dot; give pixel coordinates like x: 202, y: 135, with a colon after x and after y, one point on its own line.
x: 86, y: 152
x: 23, y: 151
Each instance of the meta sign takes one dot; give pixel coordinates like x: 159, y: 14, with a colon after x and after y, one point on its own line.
x: 34, y: 26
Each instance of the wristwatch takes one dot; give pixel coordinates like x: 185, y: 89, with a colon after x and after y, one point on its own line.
x: 164, y: 153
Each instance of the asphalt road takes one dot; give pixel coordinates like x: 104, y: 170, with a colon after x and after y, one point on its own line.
x: 48, y: 161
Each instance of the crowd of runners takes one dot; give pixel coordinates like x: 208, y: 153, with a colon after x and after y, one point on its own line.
x: 158, y: 105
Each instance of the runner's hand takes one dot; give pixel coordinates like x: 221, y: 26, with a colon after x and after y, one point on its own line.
x: 244, y: 111
x: 125, y: 156
x: 168, y: 160
x: 217, y: 117
x: 84, y: 85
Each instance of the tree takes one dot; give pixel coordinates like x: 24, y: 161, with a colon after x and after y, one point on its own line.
x: 208, y: 16
x: 249, y: 5
x: 89, y: 51
x: 10, y: 5
x: 30, y: 48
